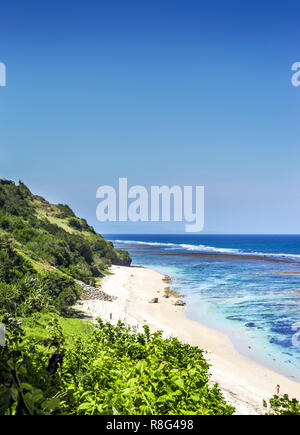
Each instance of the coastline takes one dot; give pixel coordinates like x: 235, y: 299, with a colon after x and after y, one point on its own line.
x: 244, y: 383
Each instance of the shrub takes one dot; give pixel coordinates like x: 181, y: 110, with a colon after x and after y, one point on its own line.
x: 75, y: 223
x: 62, y: 290
x: 13, y: 266
x: 283, y: 406
x: 109, y: 371
x: 9, y: 298
x: 64, y: 211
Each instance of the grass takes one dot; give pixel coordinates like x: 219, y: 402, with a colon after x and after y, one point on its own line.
x: 62, y: 223
x: 40, y: 267
x: 36, y: 326
x: 49, y: 211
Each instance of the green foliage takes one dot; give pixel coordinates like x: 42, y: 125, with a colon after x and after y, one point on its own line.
x: 75, y: 223
x: 61, y: 290
x: 52, y: 234
x: 14, y: 200
x: 21, y: 370
x: 108, y: 371
x: 64, y: 211
x: 36, y: 326
x: 9, y: 298
x: 48, y: 291
x: 13, y: 266
x: 23, y: 291
x: 282, y: 405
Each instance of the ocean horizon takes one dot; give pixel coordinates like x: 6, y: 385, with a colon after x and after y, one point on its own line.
x: 246, y: 286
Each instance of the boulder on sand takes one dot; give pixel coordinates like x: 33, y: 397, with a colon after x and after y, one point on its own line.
x: 180, y: 303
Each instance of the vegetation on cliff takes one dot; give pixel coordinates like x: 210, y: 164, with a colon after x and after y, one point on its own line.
x: 51, y: 236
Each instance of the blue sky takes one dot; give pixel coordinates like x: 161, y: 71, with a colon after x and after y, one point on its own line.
x: 162, y: 92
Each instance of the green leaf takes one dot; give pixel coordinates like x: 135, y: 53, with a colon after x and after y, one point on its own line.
x: 141, y: 366
x: 4, y: 401
x: 179, y: 382
x: 85, y: 405
x: 52, y: 404
x: 25, y: 386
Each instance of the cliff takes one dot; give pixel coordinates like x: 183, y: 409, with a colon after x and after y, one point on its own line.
x: 51, y: 236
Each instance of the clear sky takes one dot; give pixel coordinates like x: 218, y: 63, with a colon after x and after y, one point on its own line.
x: 162, y: 92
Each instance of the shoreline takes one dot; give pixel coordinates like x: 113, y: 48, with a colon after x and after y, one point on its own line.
x: 244, y: 383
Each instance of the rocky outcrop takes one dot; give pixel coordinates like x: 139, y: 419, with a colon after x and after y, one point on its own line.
x: 154, y: 301
x: 180, y: 303
x: 90, y: 292
x: 122, y: 258
x: 121, y: 262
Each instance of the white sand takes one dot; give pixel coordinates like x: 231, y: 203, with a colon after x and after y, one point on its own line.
x: 244, y: 383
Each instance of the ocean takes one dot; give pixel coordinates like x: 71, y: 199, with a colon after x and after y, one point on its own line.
x: 247, y: 287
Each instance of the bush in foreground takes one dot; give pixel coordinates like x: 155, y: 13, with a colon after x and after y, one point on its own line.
x: 108, y: 371
x: 283, y: 406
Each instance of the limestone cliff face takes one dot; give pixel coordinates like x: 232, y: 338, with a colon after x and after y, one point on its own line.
x: 123, y: 258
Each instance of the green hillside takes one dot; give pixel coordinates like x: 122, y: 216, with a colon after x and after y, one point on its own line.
x: 49, y: 235
x: 44, y: 248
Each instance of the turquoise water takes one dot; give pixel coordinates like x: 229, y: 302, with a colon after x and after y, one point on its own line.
x: 245, y: 286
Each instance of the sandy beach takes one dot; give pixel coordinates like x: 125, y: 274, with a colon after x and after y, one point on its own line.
x: 243, y: 382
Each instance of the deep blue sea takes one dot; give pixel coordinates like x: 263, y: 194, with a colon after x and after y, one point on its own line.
x: 245, y: 286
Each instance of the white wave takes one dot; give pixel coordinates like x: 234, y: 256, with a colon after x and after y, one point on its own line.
x: 204, y: 248
x: 198, y: 248
x: 208, y: 249
x: 271, y: 254
x: 135, y: 242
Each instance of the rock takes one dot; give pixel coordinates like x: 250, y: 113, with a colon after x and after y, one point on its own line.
x: 125, y: 260
x: 90, y: 292
x: 180, y: 303
x: 166, y: 296
x: 154, y: 301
